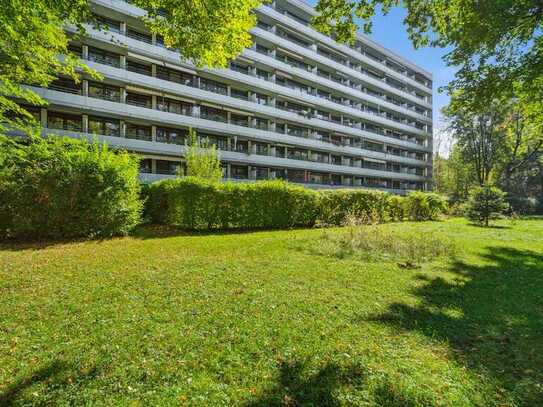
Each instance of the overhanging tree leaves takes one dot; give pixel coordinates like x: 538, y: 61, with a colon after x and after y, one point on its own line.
x: 208, y: 32
x: 497, y: 44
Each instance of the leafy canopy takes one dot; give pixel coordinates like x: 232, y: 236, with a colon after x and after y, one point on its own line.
x: 210, y: 32
x: 497, y: 45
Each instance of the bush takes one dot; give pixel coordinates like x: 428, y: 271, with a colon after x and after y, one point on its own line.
x: 194, y: 203
x: 366, y: 206
x: 199, y: 204
x: 425, y: 206
x: 64, y: 188
x: 485, y: 204
x: 396, y: 208
x: 522, y: 205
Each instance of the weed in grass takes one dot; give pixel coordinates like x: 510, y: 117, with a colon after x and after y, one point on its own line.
x: 379, y: 243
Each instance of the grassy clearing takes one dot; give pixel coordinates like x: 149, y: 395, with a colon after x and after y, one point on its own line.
x: 259, y: 319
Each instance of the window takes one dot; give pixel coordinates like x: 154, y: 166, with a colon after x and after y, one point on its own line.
x: 174, y: 106
x: 211, y: 113
x: 219, y: 141
x: 261, y: 173
x: 213, y: 86
x: 110, y: 24
x: 261, y: 124
x: 239, y: 120
x: 146, y: 166
x: 104, y: 57
x: 235, y: 66
x: 103, y: 91
x: 139, y: 68
x: 296, y: 175
x: 262, y: 74
x: 261, y: 149
x: 239, y: 172
x: 171, y: 136
x: 136, y: 99
x: 138, y: 35
x: 174, y: 75
x: 239, y: 94
x: 241, y: 146
x: 261, y: 99
x: 66, y: 85
x: 262, y: 49
x: 107, y: 127
x: 63, y: 121
x: 134, y: 131
x: 167, y: 167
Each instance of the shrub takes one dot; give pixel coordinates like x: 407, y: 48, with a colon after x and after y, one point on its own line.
x: 425, y: 206
x: 195, y: 203
x: 485, y: 204
x: 367, y: 206
x: 199, y: 204
x: 64, y: 188
x: 396, y: 208
x: 202, y: 158
x: 522, y: 205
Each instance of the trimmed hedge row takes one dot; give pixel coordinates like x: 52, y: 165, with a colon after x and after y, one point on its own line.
x: 193, y: 203
x: 199, y: 204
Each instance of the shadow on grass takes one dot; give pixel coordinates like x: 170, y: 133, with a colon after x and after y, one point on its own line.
x: 491, y: 315
x: 56, y: 374
x: 295, y: 388
x: 143, y: 232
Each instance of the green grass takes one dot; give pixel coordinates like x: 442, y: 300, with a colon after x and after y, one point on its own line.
x: 259, y: 319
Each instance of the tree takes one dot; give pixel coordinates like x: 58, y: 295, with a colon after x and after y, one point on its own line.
x: 202, y: 159
x: 209, y: 32
x: 479, y: 135
x: 486, y: 203
x: 523, y: 146
x: 497, y: 44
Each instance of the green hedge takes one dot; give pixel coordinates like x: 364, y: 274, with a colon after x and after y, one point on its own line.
x: 64, y: 188
x: 198, y: 204
x: 367, y: 206
x: 193, y: 203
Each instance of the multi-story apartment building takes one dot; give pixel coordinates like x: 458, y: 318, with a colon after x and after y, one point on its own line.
x: 297, y: 105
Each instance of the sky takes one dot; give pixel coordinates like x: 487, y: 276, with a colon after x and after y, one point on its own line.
x: 390, y: 32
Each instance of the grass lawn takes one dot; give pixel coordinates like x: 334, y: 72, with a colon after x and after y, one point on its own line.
x: 259, y: 319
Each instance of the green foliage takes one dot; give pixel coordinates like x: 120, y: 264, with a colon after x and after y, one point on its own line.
x: 209, y: 33
x: 496, y: 44
x: 396, y: 208
x: 195, y: 203
x: 31, y: 39
x: 202, y: 159
x: 377, y: 243
x: 63, y: 188
x: 486, y: 203
x: 337, y: 206
x: 422, y: 206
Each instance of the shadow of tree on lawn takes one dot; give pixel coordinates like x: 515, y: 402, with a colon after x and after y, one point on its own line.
x: 56, y: 373
x: 295, y: 388
x: 491, y: 315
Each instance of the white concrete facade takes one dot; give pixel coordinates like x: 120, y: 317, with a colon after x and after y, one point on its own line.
x: 297, y: 105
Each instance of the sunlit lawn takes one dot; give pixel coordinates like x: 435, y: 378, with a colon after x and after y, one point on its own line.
x: 259, y: 319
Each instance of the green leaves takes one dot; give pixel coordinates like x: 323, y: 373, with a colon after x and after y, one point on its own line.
x: 208, y: 32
